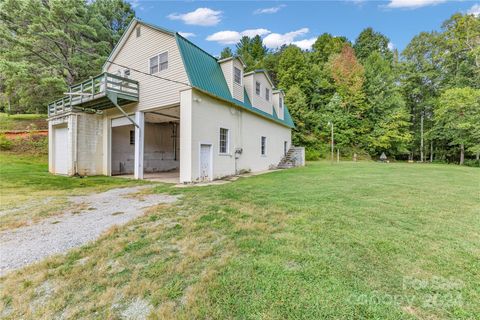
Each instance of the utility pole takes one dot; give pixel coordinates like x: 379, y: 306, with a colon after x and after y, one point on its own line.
x: 421, y: 137
x: 330, y: 123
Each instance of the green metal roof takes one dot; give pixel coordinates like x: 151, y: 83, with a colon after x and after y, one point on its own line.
x: 205, y: 74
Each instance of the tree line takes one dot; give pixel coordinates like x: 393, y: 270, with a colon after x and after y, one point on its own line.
x: 421, y: 104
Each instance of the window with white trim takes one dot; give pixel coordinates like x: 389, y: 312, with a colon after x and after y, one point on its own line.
x: 267, y: 94
x: 237, y: 75
x: 263, y: 146
x: 280, y: 103
x: 223, y: 141
x: 257, y: 88
x: 138, y: 31
x: 159, y: 63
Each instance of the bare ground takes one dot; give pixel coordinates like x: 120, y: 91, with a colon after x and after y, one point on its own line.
x: 93, y: 215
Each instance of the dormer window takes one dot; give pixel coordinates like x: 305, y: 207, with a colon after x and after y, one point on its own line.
x: 267, y: 94
x: 280, y: 103
x: 257, y: 88
x: 237, y: 75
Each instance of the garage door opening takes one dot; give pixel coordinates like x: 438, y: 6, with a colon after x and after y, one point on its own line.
x: 161, y: 156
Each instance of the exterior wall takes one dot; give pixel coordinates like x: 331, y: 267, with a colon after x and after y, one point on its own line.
x: 84, y: 146
x: 136, y: 53
x: 260, y: 102
x: 186, y: 134
x: 208, y: 115
x: 249, y: 85
x: 89, y: 144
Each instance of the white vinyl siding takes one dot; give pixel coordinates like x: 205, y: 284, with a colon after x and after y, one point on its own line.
x: 260, y: 101
x: 136, y: 53
x: 238, y: 87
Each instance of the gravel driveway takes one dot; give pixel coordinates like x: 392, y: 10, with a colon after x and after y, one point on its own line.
x: 58, y: 234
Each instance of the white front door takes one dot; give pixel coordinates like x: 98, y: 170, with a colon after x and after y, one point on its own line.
x: 60, y: 141
x: 205, y: 162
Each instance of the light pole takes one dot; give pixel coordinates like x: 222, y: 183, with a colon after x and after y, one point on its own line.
x: 330, y: 123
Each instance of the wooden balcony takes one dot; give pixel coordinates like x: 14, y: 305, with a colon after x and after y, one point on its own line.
x: 98, y: 93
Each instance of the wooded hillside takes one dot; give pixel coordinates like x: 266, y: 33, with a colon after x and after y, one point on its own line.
x: 422, y: 104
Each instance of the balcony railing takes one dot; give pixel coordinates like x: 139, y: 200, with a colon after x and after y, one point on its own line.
x: 97, y: 93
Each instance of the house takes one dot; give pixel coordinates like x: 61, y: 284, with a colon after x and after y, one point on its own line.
x: 164, y: 105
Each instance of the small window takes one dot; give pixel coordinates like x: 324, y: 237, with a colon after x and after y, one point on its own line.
x: 237, y: 75
x: 154, y: 65
x: 267, y: 94
x: 132, y: 137
x: 280, y: 103
x: 257, y: 88
x: 163, y: 58
x: 223, y: 140
x: 159, y: 63
x: 264, y: 146
x: 138, y: 31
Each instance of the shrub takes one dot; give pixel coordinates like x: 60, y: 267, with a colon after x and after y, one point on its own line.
x: 472, y: 163
x: 5, y: 144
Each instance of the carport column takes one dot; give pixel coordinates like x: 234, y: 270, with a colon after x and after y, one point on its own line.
x: 186, y: 135
x: 139, y: 141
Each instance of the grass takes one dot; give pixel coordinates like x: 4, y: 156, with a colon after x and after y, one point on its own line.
x: 355, y: 240
x: 30, y: 193
x: 22, y: 121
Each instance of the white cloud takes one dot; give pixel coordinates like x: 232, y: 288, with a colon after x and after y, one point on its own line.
x: 275, y: 40
x: 187, y: 34
x: 412, y: 4
x: 231, y: 37
x: 199, y: 17
x: 391, y: 46
x: 269, y: 10
x: 475, y: 10
x: 305, y: 44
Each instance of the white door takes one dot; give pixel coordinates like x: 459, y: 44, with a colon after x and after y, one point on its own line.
x: 60, y: 160
x: 205, y: 162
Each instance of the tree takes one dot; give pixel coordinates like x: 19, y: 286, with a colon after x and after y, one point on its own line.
x: 369, y: 41
x: 226, y: 53
x: 387, y: 116
x: 252, y: 51
x: 49, y: 45
x: 457, y: 118
x: 325, y: 46
x: 294, y: 70
x: 348, y: 75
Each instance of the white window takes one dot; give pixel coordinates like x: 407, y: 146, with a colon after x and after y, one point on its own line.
x: 280, y: 103
x: 264, y: 146
x: 159, y: 63
x: 237, y: 75
x: 257, y: 88
x: 267, y: 94
x: 224, y: 143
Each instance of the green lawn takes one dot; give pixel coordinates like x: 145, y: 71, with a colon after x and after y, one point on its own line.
x: 354, y: 240
x: 30, y: 192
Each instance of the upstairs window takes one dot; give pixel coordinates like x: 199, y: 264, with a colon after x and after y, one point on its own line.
x: 280, y: 103
x: 138, y: 31
x: 237, y: 75
x: 263, y: 146
x: 257, y: 88
x: 267, y: 94
x: 223, y: 140
x: 159, y: 63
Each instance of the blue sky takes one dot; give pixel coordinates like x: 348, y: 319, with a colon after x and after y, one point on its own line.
x: 214, y: 25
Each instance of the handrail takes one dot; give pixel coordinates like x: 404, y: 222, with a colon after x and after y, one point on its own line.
x: 94, y: 88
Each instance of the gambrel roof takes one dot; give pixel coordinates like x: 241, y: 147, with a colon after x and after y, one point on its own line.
x: 205, y: 73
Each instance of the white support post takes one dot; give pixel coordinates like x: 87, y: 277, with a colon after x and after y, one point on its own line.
x: 139, y: 141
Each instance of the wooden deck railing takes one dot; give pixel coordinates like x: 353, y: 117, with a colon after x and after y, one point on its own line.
x: 93, y: 89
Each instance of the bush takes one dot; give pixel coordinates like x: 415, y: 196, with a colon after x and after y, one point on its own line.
x: 5, y: 144
x: 472, y: 163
